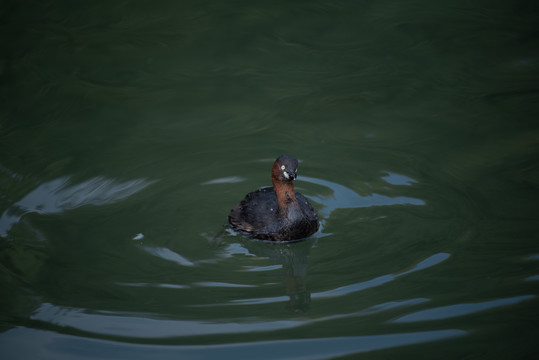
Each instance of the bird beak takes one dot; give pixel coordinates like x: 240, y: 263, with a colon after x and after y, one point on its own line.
x: 289, y: 175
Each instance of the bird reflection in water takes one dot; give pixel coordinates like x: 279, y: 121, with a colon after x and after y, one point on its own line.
x: 293, y: 257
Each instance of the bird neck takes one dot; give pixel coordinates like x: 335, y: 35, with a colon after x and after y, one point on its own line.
x: 285, y: 195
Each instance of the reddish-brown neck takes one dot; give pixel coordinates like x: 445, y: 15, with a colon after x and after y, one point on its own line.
x: 283, y: 189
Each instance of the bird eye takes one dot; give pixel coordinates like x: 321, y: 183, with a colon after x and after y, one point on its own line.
x: 283, y: 167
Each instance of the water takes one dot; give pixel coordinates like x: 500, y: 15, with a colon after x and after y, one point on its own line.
x: 128, y: 131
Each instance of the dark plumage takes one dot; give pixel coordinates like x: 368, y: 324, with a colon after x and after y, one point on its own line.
x: 277, y: 213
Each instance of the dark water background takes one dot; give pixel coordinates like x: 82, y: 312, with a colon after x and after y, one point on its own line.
x: 129, y: 129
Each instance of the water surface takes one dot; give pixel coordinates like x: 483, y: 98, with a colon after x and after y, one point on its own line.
x: 129, y: 130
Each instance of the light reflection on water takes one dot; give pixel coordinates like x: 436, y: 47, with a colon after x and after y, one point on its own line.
x: 48, y: 345
x: 59, y: 195
x: 149, y: 326
x: 345, y: 198
x: 450, y: 311
x: 348, y: 289
x: 381, y: 280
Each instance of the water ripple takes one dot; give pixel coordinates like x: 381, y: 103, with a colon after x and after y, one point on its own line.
x: 59, y: 195
x: 344, y: 198
x: 451, y: 311
x: 347, y: 289
x: 398, y: 179
x: 49, y: 345
x: 224, y: 180
x: 152, y: 326
x: 169, y: 255
x: 222, y: 284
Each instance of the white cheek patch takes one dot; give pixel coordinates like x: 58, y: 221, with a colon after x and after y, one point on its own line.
x: 286, y: 175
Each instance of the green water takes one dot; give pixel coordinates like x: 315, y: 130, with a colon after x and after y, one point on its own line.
x: 128, y: 130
